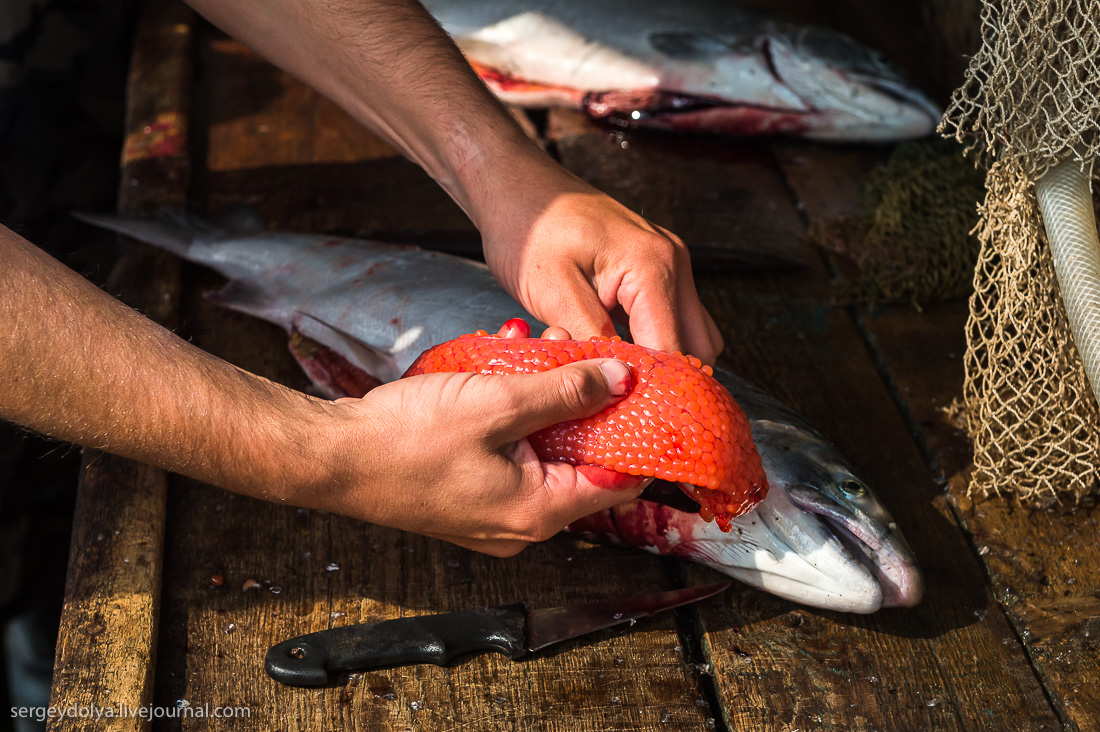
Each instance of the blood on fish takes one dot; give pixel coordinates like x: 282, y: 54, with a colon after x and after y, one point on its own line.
x: 502, y: 82
x: 656, y: 108
x: 328, y: 368
x: 677, y: 422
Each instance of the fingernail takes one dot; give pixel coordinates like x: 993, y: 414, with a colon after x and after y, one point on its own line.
x: 618, y: 377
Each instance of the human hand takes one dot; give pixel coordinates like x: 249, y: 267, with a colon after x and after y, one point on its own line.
x: 447, y: 455
x: 571, y: 255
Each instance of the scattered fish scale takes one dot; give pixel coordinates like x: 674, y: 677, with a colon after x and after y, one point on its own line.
x: 677, y: 423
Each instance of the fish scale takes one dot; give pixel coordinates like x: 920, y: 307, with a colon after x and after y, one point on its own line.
x: 677, y: 422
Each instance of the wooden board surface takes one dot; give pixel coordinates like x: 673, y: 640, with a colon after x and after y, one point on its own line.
x: 944, y: 665
x: 106, y: 641
x: 1042, y: 563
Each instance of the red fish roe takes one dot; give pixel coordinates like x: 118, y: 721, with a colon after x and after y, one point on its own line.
x: 677, y: 423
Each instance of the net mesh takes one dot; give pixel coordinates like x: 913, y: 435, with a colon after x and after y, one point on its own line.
x: 913, y: 241
x: 1031, y: 98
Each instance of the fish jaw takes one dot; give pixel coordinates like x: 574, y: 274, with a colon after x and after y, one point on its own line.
x: 877, y: 543
x: 816, y: 571
x: 853, y: 93
x: 796, y: 81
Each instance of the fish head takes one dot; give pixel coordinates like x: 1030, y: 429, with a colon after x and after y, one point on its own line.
x: 833, y: 534
x: 862, y: 96
x: 781, y: 78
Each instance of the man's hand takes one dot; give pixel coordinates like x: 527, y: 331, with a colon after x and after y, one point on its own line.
x: 571, y: 255
x: 446, y: 455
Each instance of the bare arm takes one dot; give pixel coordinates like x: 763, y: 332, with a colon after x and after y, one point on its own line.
x: 567, y: 252
x: 78, y: 365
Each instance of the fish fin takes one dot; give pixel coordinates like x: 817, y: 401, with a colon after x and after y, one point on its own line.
x: 689, y: 46
x: 378, y: 364
x: 176, y: 230
x: 167, y: 229
x: 243, y: 297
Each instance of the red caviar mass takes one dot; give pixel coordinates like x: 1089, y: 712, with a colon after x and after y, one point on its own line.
x: 677, y: 423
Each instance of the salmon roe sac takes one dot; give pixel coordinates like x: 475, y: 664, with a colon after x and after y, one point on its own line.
x: 677, y: 423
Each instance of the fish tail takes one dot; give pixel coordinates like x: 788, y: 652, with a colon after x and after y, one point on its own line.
x: 176, y: 230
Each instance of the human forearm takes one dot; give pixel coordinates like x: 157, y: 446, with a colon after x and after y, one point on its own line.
x: 80, y: 366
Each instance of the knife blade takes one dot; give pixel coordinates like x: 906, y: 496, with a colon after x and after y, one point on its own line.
x: 315, y: 659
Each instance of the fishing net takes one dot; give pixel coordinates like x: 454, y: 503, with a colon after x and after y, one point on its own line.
x: 1031, y: 99
x: 913, y: 243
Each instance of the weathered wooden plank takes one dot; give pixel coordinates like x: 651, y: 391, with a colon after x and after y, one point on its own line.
x: 923, y: 355
x: 1043, y: 563
x: 733, y: 212
x: 106, y: 642
x: 776, y: 666
x: 613, y: 680
x: 317, y: 571
x: 356, y: 183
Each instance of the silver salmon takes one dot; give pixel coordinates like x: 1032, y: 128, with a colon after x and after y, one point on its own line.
x: 820, y: 538
x: 692, y: 65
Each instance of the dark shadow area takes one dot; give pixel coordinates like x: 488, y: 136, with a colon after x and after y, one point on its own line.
x: 257, y: 81
x: 61, y: 116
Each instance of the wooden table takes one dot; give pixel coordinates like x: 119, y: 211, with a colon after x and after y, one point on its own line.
x: 1003, y: 640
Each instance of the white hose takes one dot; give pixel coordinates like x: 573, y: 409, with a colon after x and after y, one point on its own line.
x: 1066, y: 204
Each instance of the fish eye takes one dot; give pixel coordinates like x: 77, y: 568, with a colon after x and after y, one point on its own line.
x: 853, y: 488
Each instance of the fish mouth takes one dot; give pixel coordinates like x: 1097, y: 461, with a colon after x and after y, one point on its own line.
x: 902, y: 94
x: 669, y: 110
x: 860, y: 103
x: 777, y: 547
x: 880, y: 547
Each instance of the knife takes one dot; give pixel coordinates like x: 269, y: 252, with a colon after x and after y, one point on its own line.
x: 316, y: 658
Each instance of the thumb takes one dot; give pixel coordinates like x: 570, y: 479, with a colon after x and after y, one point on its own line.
x: 569, y: 392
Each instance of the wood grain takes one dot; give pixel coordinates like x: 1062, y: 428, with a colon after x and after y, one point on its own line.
x: 331, y: 178
x: 106, y: 643
x: 1043, y: 563
x: 922, y: 353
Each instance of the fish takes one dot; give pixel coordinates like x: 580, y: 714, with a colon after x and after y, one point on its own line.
x: 690, y: 65
x: 360, y: 312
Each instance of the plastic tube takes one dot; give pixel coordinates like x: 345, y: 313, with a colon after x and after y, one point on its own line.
x: 1065, y: 201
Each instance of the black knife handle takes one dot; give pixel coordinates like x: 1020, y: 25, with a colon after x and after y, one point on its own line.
x: 314, y: 659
